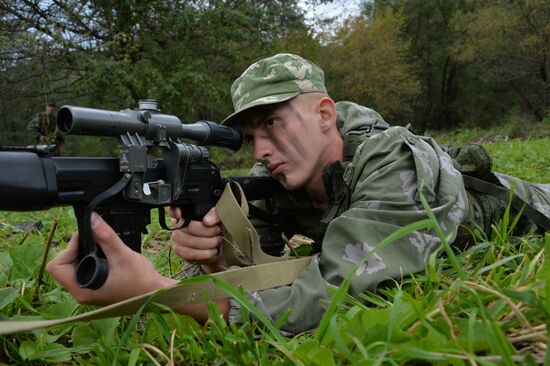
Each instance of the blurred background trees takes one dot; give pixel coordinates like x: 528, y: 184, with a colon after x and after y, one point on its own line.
x: 436, y: 64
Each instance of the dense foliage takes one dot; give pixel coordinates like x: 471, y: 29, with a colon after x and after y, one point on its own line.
x: 436, y: 64
x: 109, y: 54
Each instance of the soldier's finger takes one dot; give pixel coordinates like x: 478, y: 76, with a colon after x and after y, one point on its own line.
x: 211, y: 218
x: 184, y: 239
x: 197, y: 255
x: 106, y: 238
x: 197, y: 228
x: 174, y: 212
x: 68, y: 255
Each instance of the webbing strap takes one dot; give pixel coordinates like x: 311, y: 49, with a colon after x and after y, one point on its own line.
x: 242, y: 245
x: 503, y: 194
x: 253, y: 278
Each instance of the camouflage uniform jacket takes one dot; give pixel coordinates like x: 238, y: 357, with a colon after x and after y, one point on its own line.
x: 373, y: 192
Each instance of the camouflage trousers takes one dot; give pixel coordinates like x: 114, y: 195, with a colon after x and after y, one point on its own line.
x: 485, y: 210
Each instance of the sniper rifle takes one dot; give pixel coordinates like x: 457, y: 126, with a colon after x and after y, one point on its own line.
x: 123, y: 190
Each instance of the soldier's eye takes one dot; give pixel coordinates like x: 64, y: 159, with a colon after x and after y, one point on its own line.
x: 271, y: 122
x: 248, y: 139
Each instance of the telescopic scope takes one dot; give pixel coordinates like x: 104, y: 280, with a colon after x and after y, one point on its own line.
x: 146, y: 121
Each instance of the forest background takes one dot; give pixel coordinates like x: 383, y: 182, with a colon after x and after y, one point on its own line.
x: 435, y: 64
x: 448, y: 67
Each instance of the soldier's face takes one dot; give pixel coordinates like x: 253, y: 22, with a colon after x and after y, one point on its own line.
x: 50, y: 110
x: 289, y: 141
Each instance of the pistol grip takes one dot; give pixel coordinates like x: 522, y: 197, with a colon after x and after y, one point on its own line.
x: 127, y: 221
x: 92, y: 272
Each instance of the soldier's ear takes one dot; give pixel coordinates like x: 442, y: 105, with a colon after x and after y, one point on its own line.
x: 327, y: 112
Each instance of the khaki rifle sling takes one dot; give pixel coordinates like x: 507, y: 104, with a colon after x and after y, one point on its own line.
x: 262, y: 273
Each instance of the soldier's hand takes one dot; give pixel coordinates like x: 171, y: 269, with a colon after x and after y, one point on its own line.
x: 41, y: 139
x: 130, y: 273
x: 200, y: 242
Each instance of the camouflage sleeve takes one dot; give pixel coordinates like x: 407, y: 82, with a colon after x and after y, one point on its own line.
x: 385, y: 179
x: 536, y: 194
x: 34, y: 125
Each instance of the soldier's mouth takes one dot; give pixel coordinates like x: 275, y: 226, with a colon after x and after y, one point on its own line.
x: 275, y: 169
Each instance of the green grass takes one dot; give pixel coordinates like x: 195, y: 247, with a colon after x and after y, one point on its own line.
x: 504, y: 131
x: 486, y: 305
x: 526, y: 158
x: 233, y: 164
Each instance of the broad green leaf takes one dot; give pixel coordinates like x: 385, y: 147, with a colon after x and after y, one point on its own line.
x: 371, y: 318
x: 314, y: 354
x: 5, y: 260
x: 429, y: 340
x: 107, y: 328
x: 27, y: 349
x: 25, y: 259
x: 84, y: 335
x: 55, y: 352
x: 380, y: 333
x: 7, y: 296
x: 60, y: 310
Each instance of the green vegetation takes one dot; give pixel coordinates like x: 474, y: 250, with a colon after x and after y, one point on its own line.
x: 439, y: 65
x: 435, y: 64
x: 485, y: 305
x: 522, y: 152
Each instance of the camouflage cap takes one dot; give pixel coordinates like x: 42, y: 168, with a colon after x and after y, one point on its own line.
x: 272, y: 80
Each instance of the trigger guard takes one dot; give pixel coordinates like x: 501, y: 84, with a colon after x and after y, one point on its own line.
x: 162, y: 222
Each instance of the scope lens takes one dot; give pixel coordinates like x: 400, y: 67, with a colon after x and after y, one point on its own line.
x: 64, y: 120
